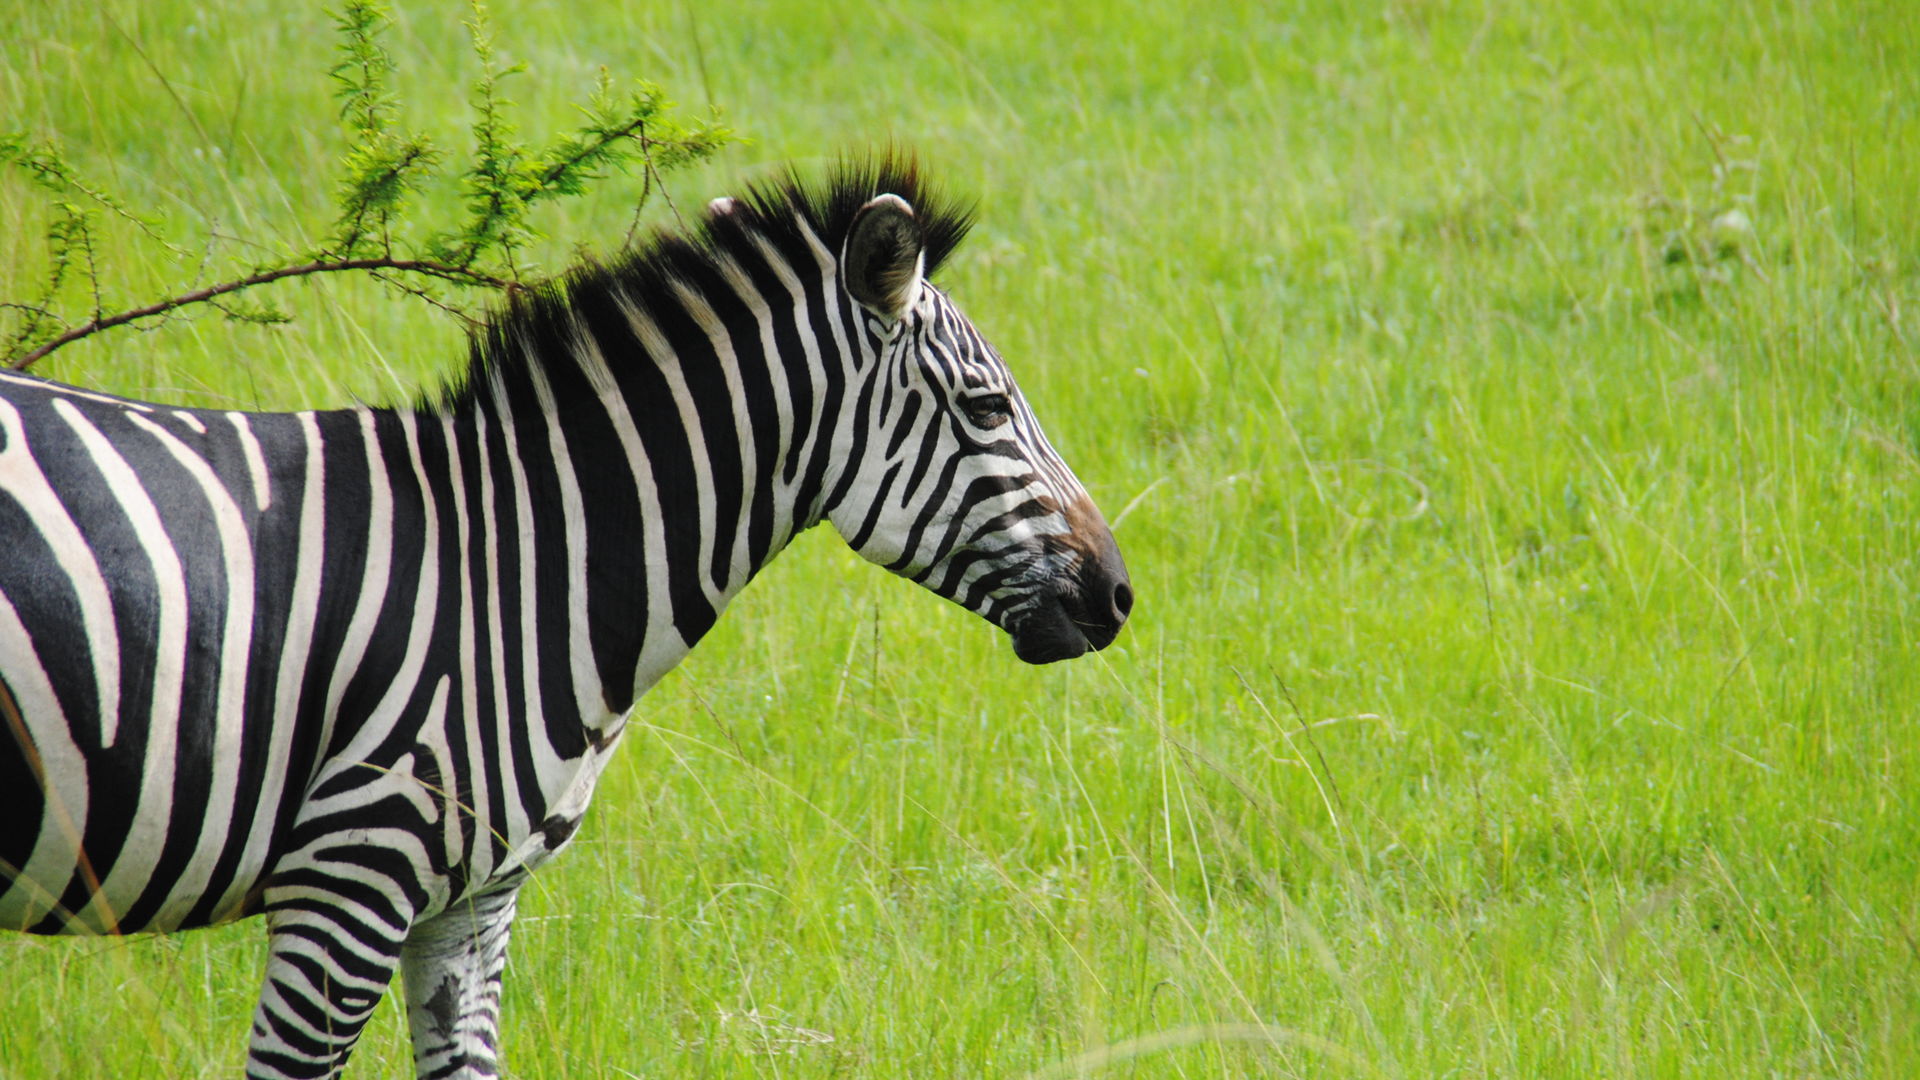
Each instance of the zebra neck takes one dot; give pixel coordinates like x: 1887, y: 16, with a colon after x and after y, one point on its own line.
x: 658, y: 458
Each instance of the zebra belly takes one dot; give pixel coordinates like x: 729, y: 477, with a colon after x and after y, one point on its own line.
x: 158, y: 831
x: 88, y: 857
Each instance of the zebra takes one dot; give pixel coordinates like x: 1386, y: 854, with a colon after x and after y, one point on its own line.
x: 358, y: 671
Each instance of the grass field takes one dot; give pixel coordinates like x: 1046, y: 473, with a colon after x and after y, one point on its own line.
x: 1524, y: 677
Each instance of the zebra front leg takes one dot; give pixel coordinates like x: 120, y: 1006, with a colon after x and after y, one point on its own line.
x: 452, y: 964
x: 327, y: 967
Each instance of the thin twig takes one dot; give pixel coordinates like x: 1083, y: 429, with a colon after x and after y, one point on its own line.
x: 93, y: 268
x: 355, y: 229
x: 635, y: 129
x: 660, y: 181
x: 646, y: 192
x: 457, y: 274
x: 35, y: 309
x: 418, y: 293
x: 30, y: 325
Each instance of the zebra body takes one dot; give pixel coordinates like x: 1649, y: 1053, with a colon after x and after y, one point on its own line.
x: 359, y: 670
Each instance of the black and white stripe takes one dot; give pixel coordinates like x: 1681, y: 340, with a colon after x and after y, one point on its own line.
x: 359, y: 670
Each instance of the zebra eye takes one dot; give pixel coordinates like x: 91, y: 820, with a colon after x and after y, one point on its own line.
x: 987, y: 410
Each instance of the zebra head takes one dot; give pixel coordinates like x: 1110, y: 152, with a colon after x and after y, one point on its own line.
x: 950, y: 481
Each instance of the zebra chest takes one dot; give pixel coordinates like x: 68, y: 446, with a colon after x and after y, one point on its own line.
x: 571, y: 785
x: 451, y: 800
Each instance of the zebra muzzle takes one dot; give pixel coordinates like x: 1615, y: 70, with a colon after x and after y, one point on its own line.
x: 1082, y: 613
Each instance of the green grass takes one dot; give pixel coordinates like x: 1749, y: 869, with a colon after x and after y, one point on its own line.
x: 1397, y: 339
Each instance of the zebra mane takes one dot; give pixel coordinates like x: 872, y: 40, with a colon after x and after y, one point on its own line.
x: 534, y: 324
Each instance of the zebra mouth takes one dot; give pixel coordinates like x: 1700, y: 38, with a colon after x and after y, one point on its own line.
x: 1060, y: 630
x: 1080, y: 613
x: 1049, y: 635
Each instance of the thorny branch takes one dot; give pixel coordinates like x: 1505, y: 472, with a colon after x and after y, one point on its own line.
x: 455, y: 274
x: 382, y: 168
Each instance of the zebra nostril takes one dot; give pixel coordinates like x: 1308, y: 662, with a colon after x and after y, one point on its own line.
x: 1122, y: 602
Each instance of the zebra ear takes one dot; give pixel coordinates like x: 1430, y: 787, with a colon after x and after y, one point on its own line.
x: 884, y: 261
